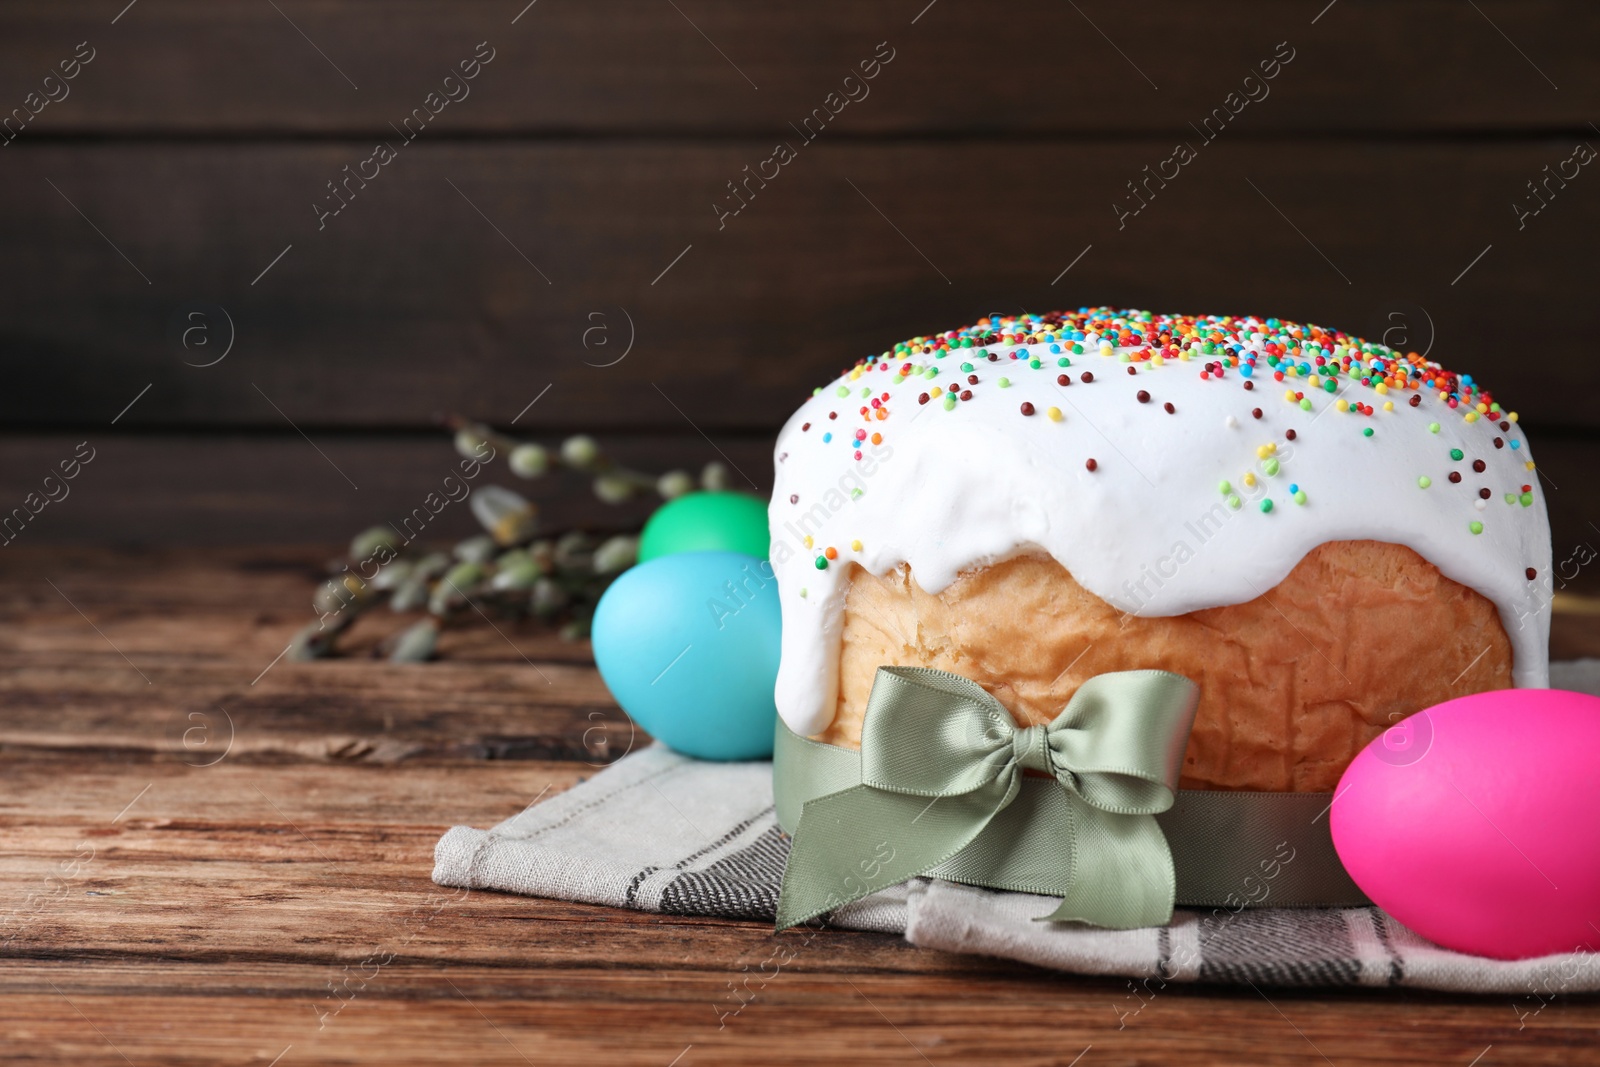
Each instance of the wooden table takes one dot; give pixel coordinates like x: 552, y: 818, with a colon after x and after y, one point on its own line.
x: 215, y: 856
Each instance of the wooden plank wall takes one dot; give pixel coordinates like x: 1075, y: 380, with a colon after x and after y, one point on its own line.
x: 575, y: 191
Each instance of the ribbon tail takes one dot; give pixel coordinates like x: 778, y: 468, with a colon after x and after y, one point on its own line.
x: 1123, y: 876
x: 857, y: 841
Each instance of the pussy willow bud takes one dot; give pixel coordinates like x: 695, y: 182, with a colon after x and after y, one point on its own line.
x: 548, y: 597
x: 509, y: 517
x: 330, y: 598
x: 480, y: 549
x: 472, y: 441
x: 366, y: 544
x: 393, y: 574
x: 433, y: 564
x: 616, y: 554
x: 580, y: 451
x: 518, y: 572
x: 573, y: 551
x: 415, y: 643
x: 315, y: 639
x: 613, y: 489
x: 674, y: 484
x: 714, y: 476
x: 454, y: 588
x: 529, y: 461
x: 411, y: 594
x: 339, y: 593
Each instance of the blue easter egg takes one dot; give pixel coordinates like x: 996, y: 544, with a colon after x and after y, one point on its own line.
x: 688, y: 645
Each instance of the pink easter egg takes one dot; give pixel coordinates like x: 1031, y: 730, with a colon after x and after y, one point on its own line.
x: 1476, y: 823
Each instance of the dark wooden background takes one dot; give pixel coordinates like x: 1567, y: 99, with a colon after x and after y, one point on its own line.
x: 573, y: 188
x: 587, y: 159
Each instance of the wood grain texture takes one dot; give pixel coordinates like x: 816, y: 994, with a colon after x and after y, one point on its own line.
x: 251, y: 835
x: 181, y: 670
x: 466, y: 276
x: 232, y: 489
x: 277, y: 488
x: 199, y: 68
x: 434, y: 1013
x: 277, y: 902
x: 211, y: 628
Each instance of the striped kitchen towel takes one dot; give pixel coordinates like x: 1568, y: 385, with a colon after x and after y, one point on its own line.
x: 659, y: 832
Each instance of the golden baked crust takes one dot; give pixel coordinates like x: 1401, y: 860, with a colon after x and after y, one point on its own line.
x: 1292, y: 684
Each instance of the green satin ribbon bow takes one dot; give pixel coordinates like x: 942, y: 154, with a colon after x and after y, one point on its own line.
x: 941, y: 794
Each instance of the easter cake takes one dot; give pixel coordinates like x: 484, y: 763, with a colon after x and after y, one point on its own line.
x: 1324, y: 534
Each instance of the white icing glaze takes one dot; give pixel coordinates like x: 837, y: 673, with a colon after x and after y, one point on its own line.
x: 951, y: 490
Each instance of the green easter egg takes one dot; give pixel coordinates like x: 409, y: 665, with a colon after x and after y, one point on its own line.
x: 707, y: 522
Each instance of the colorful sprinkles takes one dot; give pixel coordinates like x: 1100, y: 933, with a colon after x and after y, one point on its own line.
x: 1318, y: 370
